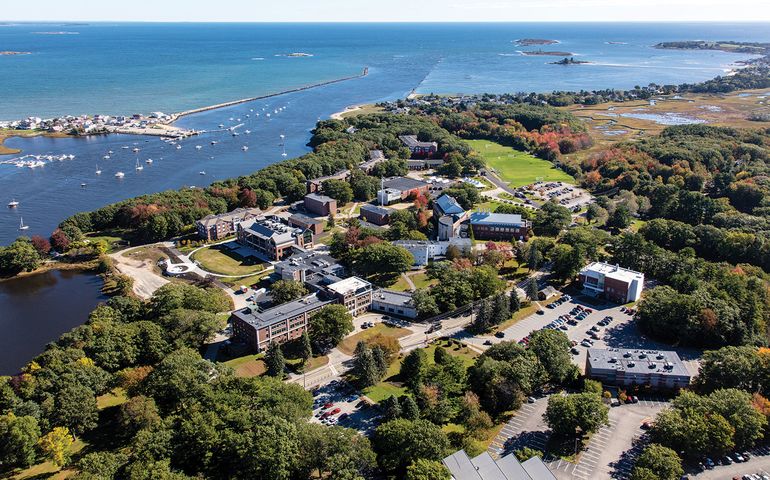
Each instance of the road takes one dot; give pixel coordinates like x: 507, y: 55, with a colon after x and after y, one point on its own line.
x: 146, y: 281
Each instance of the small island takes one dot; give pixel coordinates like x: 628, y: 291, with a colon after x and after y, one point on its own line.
x: 528, y: 42
x: 14, y: 53
x: 299, y: 54
x: 547, y: 53
x: 569, y: 61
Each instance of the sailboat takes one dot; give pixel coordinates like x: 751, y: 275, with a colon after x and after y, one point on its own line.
x: 149, y: 161
x: 98, y: 171
x: 138, y: 167
x: 21, y: 224
x: 120, y: 174
x: 244, y: 148
x: 13, y: 203
x: 283, y: 144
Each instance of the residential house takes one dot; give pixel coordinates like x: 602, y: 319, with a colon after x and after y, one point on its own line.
x: 375, y: 157
x: 316, y: 184
x: 215, y: 227
x: 612, y: 282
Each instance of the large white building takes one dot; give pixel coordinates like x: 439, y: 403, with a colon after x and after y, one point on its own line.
x: 426, y: 250
x: 612, y: 282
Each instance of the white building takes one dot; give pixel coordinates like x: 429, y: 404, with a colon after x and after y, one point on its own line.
x: 612, y: 282
x: 426, y: 250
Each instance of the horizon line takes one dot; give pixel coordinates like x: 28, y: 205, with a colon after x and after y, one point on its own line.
x: 398, y: 22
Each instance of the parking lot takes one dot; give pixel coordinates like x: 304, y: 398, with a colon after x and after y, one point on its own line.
x: 565, y: 194
x: 337, y: 403
x: 621, y: 332
x: 758, y: 465
x: 609, y: 453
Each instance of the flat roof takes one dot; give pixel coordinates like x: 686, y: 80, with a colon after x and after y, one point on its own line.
x: 280, y: 313
x: 403, y: 183
x: 376, y: 209
x: 319, y: 198
x: 301, y: 217
x: 411, y: 141
x: 639, y: 361
x: 349, y: 285
x: 484, y: 467
x: 613, y: 271
x: 392, y: 297
x: 489, y: 218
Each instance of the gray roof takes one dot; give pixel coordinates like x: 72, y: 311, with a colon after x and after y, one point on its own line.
x: 238, y: 214
x: 376, y: 209
x: 637, y: 361
x: 504, y: 219
x: 302, y: 218
x: 319, y: 198
x: 392, y: 297
x: 270, y: 229
x: 411, y: 142
x: 484, y: 467
x: 280, y: 313
x: 403, y: 183
x: 447, y: 205
x: 312, y: 262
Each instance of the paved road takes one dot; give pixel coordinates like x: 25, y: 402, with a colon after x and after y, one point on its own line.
x: 758, y: 464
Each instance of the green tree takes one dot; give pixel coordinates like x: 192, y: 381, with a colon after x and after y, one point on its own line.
x: 74, y: 407
x: 532, y: 289
x: 339, y: 190
x: 329, y: 326
x: 567, y: 261
x: 99, y: 465
x: 524, y: 454
x: 596, y: 213
x: 413, y: 368
x: 274, y: 360
x: 364, y: 366
x: 284, y: 291
x: 580, y: 412
x: 663, y: 462
x: 422, y: 469
x: 18, y: 439
x: 425, y: 303
x: 551, y: 219
x: 383, y: 259
x: 399, y: 443
x: 138, y: 413
x: 189, y: 328
x: 552, y: 348
x: 409, y: 408
x: 19, y: 256
x: 391, y: 409
x: 306, y: 349
x: 620, y: 218
x: 514, y: 303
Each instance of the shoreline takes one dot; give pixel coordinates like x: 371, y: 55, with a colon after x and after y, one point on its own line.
x: 171, y: 131
x: 84, y: 267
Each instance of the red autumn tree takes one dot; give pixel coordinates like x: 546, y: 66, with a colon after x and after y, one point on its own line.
x: 42, y: 245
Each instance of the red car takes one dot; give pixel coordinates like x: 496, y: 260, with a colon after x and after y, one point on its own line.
x: 328, y: 405
x: 336, y: 411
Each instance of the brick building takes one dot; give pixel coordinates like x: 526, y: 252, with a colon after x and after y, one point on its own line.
x: 612, y: 282
x: 215, y: 227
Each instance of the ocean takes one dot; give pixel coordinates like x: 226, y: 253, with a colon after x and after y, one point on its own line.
x: 129, y: 68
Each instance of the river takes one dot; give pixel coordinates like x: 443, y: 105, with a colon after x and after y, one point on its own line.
x: 38, y: 308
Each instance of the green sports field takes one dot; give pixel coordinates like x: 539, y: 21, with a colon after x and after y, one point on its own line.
x: 515, y: 167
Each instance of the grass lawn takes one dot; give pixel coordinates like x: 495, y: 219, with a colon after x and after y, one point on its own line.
x: 221, y: 261
x: 421, y: 280
x: 515, y: 167
x: 113, y: 238
x: 236, y: 282
x: 47, y: 469
x: 400, y: 285
x: 636, y: 225
x: 248, y: 365
x: 113, y: 398
x: 312, y: 364
x: 348, y: 345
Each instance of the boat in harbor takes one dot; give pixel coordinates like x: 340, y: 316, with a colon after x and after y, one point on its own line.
x: 106, y: 157
x: 198, y: 147
x: 178, y: 147
x: 21, y: 224
x: 83, y: 185
x: 13, y: 203
x: 120, y: 175
x: 244, y: 148
x: 149, y: 161
x: 135, y: 149
x: 138, y: 167
x: 125, y: 147
x: 202, y: 172
x: 214, y: 142
x: 98, y: 171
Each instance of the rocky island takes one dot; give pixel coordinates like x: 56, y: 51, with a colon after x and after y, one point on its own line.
x: 756, y: 48
x: 569, y: 61
x: 14, y: 53
x: 547, y: 53
x: 528, y: 42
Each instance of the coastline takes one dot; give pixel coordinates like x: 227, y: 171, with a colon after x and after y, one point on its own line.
x: 89, y: 266
x: 167, y: 128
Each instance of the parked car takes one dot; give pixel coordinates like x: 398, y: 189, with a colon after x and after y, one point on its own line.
x: 739, y: 458
x: 531, y: 400
x: 488, y: 342
x: 615, y: 402
x: 328, y: 405
x: 540, y: 312
x: 709, y: 463
x: 575, y: 351
x: 727, y: 460
x: 499, y: 334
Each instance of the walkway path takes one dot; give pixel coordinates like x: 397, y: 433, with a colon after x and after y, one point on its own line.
x: 146, y: 281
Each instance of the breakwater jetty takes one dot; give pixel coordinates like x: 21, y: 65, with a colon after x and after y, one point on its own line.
x: 179, y: 115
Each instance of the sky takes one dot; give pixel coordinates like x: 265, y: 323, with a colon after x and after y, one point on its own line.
x: 384, y: 10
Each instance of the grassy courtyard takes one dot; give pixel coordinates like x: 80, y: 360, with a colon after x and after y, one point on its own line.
x: 348, y: 345
x: 515, y: 167
x: 219, y: 260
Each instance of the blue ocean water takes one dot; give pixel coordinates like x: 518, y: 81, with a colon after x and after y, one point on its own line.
x: 128, y: 68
